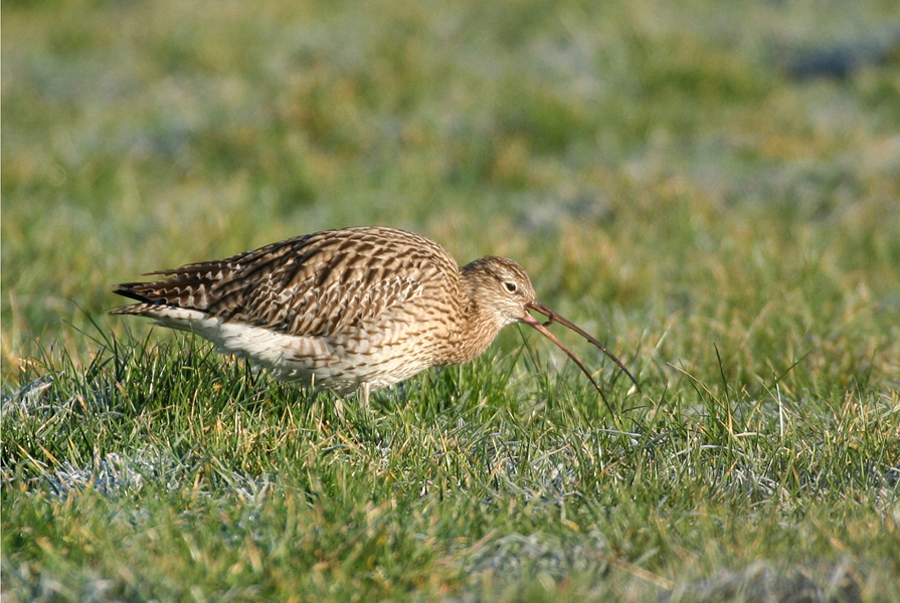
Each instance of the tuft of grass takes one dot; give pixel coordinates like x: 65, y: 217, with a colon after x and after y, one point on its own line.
x: 732, y: 233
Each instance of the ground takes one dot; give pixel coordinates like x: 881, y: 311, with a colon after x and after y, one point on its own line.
x: 711, y: 188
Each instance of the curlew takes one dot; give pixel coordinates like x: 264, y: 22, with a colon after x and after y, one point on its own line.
x: 349, y: 309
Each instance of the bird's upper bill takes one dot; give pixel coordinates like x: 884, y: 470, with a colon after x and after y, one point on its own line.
x: 554, y: 317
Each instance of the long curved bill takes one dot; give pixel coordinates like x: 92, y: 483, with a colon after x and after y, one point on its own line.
x: 554, y: 317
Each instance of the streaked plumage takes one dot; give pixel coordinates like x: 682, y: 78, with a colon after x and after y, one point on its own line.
x: 352, y: 308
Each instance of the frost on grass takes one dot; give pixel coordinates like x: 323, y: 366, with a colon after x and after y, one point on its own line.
x: 49, y: 401
x: 761, y: 582
x: 29, y: 399
x: 27, y: 583
x: 538, y: 473
x: 516, y: 560
x: 42, y: 411
x: 519, y: 556
x: 117, y: 474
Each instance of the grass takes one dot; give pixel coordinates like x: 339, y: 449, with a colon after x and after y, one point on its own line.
x: 732, y: 233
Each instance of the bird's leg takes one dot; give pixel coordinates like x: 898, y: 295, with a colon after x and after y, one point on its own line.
x: 364, y: 413
x: 363, y: 409
x: 339, y: 407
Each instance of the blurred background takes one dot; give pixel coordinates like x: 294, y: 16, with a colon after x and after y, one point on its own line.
x: 730, y: 168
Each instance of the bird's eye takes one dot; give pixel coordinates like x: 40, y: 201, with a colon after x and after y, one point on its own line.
x: 510, y: 286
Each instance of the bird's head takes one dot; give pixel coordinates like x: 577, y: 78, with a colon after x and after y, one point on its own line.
x: 500, y: 289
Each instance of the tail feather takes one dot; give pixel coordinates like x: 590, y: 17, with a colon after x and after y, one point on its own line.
x: 142, y: 309
x: 187, y: 287
x: 132, y: 291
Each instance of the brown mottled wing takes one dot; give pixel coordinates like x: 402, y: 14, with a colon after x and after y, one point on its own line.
x: 315, y: 285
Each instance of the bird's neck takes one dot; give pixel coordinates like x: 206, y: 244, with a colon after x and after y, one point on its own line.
x: 476, y: 330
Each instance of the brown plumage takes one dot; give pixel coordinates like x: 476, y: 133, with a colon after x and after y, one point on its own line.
x: 354, y: 308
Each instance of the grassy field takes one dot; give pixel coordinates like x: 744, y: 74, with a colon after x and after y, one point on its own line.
x: 726, y: 221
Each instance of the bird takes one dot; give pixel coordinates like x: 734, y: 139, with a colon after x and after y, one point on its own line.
x: 350, y: 309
